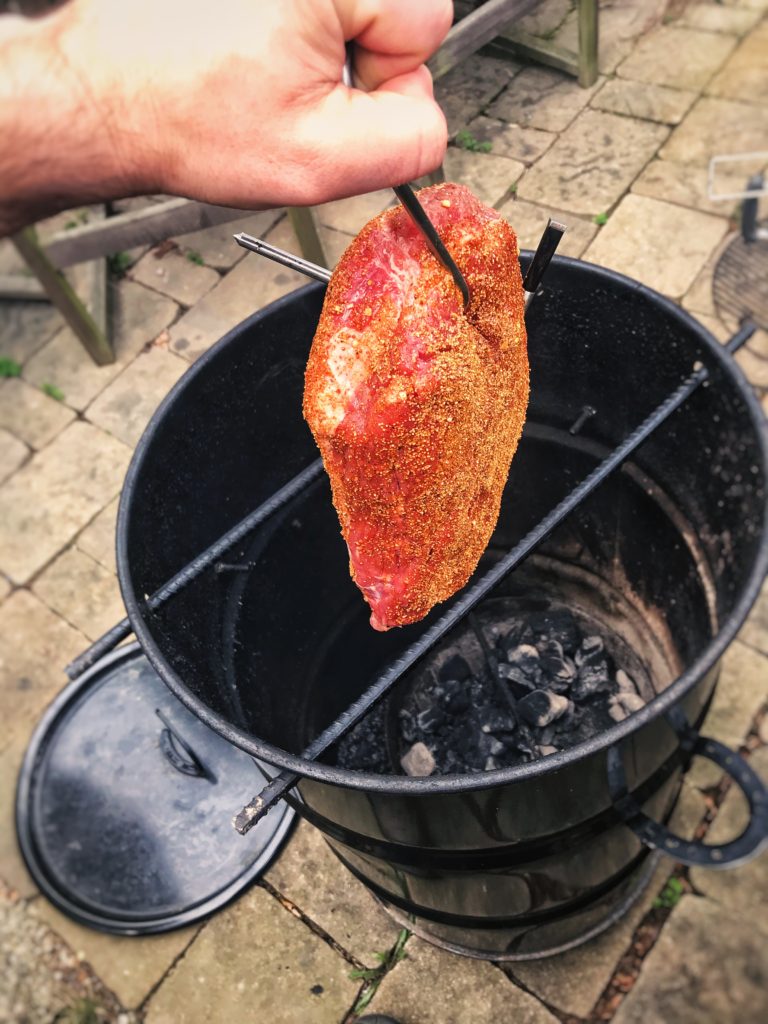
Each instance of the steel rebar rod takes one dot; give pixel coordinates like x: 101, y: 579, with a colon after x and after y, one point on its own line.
x: 286, y: 780
x: 199, y: 564
x: 287, y: 259
x: 542, y: 257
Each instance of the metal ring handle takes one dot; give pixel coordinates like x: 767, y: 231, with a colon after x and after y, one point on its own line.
x: 693, y: 853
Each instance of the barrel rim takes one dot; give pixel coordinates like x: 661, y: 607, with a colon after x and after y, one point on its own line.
x: 445, y: 784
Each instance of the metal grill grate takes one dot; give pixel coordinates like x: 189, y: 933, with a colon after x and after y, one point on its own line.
x: 740, y: 285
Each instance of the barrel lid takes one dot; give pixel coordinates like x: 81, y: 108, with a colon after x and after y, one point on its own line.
x: 125, y: 802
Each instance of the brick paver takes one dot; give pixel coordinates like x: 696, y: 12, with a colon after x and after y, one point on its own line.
x: 659, y: 243
x: 593, y: 162
x: 310, y: 875
x: 178, y: 276
x: 434, y: 987
x: 709, y: 966
x: 55, y: 494
x: 256, y: 962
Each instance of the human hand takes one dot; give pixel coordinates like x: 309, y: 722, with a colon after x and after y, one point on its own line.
x: 240, y: 102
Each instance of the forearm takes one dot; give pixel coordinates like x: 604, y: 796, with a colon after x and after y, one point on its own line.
x: 238, y: 103
x: 61, y: 145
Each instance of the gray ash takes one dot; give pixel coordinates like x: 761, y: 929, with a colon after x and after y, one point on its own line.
x: 505, y: 693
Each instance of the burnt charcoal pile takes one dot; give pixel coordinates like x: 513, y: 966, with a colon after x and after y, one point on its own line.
x: 508, y: 693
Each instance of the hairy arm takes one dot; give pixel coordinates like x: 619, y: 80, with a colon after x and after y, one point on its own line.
x: 238, y: 103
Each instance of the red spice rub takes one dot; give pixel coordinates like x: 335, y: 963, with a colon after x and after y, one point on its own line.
x: 417, y: 409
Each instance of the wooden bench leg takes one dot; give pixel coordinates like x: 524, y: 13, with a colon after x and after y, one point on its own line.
x: 64, y: 298
x: 587, y: 43
x: 302, y: 220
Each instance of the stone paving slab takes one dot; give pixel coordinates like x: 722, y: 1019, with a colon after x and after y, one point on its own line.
x: 215, y: 245
x: 755, y: 630
x: 30, y: 414
x: 542, y: 98
x: 125, y: 406
x: 716, y: 126
x: 10, y: 261
x: 434, y: 987
x: 255, y: 962
x: 699, y: 298
x: 467, y: 90
x: 708, y: 966
x: 741, y: 890
x: 98, y: 538
x: 130, y: 967
x: 644, y: 100
x: 683, y: 58
x: 82, y: 591
x: 491, y: 178
x: 25, y: 327
x: 175, y: 275
x: 512, y: 140
x: 593, y: 162
x: 529, y: 220
x: 55, y: 495
x: 715, y: 326
x: 138, y: 316
x: 13, y: 454
x: 717, y: 17
x: 34, y: 645
x: 41, y: 979
x: 252, y: 284
x: 753, y: 359
x: 350, y: 216
x: 545, y: 18
x: 311, y: 876
x: 745, y: 75
x: 13, y: 870
x: 686, y: 185
x: 574, y: 981
x: 335, y: 244
x: 741, y: 690
x: 661, y: 244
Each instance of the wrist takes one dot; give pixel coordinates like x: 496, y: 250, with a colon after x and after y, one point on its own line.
x: 67, y: 136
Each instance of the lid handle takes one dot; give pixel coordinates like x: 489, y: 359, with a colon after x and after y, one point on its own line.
x: 178, y: 752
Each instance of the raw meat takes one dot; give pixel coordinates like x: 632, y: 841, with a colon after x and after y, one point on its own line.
x: 416, y: 407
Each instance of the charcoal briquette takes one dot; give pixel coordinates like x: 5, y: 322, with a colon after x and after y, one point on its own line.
x: 591, y: 648
x: 455, y: 667
x: 542, y: 707
x: 557, y: 624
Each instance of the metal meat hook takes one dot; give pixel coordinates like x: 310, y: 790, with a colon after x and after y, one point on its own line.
x: 415, y: 210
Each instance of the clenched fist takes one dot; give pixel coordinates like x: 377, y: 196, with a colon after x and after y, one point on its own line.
x: 238, y: 102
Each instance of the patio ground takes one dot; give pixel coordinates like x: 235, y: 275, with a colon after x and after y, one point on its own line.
x: 624, y: 164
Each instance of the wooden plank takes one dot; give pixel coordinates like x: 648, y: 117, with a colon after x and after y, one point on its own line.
x: 139, y: 227
x: 26, y: 289
x: 63, y: 296
x: 95, y: 289
x: 471, y: 33
x: 523, y: 45
x: 588, y: 33
x: 583, y: 65
x: 302, y: 220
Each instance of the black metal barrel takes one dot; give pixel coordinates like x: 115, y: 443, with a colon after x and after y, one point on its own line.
x: 272, y: 642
